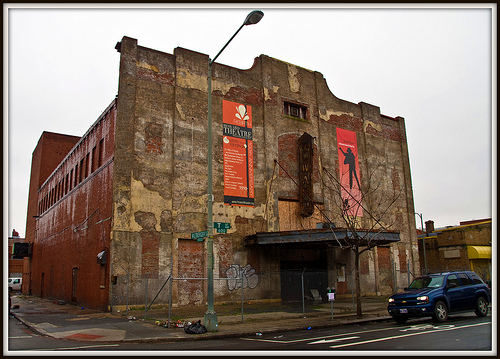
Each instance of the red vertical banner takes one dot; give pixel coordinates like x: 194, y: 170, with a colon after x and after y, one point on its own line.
x: 237, y: 145
x: 349, y: 172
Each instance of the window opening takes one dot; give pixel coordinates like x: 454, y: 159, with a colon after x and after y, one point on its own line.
x: 101, y: 145
x: 295, y: 110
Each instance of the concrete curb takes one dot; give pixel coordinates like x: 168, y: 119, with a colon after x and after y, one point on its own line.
x: 217, y: 335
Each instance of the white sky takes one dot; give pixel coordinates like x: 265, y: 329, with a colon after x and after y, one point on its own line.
x: 433, y: 66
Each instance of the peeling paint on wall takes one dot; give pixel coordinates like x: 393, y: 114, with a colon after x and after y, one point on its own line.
x: 187, y: 79
x: 293, y: 78
x: 147, y: 66
x: 376, y: 126
x: 146, y: 201
x: 225, y: 213
x: 325, y: 116
x: 223, y: 87
x: 267, y: 97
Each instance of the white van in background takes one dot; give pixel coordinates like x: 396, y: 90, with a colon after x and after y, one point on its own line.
x: 15, y: 284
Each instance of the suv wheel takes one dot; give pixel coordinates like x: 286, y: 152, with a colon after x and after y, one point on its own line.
x: 481, y: 307
x: 440, y: 312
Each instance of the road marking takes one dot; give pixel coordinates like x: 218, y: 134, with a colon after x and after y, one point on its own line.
x: 324, y: 341
x: 417, y: 327
x: 75, y: 348
x: 316, y: 338
x: 402, y: 336
x: 426, y: 326
x: 21, y: 337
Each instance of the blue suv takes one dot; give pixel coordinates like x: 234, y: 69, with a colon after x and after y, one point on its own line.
x: 436, y: 295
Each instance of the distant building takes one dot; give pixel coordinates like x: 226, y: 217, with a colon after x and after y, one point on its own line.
x: 124, y: 207
x: 463, y: 247
x: 16, y: 259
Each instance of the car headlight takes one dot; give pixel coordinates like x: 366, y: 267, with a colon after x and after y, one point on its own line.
x: 391, y: 300
x: 423, y: 298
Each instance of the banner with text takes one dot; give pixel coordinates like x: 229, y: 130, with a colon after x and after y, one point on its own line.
x: 238, y: 154
x: 349, y: 172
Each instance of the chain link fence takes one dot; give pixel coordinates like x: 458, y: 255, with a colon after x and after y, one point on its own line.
x: 244, y: 291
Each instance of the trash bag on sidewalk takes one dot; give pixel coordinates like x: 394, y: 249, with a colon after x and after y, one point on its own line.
x: 195, y: 328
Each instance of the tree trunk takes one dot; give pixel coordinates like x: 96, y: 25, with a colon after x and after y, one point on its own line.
x: 359, y: 312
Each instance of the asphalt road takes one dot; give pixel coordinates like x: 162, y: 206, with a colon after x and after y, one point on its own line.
x: 460, y: 333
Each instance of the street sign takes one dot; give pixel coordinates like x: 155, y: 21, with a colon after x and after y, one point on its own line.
x: 222, y: 225
x: 221, y: 230
x: 197, y: 235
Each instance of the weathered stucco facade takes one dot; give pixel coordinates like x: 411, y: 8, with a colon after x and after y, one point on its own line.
x: 158, y: 179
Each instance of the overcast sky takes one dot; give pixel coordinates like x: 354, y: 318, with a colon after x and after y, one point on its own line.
x: 430, y: 65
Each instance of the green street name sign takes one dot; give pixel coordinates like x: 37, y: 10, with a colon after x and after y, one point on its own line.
x: 197, y: 235
x: 222, y: 225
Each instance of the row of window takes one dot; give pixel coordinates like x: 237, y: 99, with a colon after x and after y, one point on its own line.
x: 87, y: 165
x: 93, y: 160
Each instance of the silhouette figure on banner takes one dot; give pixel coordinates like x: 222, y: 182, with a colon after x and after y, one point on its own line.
x: 350, y: 160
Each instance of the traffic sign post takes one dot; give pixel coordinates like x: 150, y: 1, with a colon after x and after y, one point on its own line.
x: 331, y: 297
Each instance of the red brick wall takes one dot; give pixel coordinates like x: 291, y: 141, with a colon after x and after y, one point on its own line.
x: 49, y: 152
x: 288, y: 153
x: 191, y: 264
x: 74, y: 220
x: 150, y: 252
x: 385, y: 267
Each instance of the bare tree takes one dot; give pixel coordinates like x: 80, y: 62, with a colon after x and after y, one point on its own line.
x: 362, y: 233
x: 365, y: 232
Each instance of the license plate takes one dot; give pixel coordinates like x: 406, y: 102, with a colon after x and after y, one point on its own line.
x: 403, y: 311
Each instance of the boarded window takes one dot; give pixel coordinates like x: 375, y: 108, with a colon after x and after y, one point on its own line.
x: 295, y: 110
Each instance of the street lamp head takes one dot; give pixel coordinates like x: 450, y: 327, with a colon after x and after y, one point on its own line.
x: 254, y: 17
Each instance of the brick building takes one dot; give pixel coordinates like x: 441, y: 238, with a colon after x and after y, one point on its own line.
x: 463, y: 247
x: 14, y: 257
x: 69, y: 212
x: 116, y: 216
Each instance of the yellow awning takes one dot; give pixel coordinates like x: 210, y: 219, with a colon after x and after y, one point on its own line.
x: 479, y: 252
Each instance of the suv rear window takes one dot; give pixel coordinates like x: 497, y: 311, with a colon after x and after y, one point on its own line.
x: 465, y: 280
x: 475, y: 278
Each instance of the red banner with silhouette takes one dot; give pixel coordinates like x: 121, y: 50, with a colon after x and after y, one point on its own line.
x: 349, y: 172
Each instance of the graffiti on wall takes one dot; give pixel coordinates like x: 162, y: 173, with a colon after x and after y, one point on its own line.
x: 239, y: 277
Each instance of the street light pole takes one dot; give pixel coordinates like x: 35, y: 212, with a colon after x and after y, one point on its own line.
x: 210, y: 319
x: 423, y: 241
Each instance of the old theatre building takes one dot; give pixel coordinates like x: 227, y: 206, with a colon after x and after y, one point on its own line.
x: 116, y: 216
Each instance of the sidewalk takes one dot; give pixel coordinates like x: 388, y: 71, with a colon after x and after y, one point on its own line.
x: 64, y: 321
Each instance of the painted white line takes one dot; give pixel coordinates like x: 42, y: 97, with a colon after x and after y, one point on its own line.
x: 417, y: 327
x: 324, y: 341
x: 402, y: 336
x: 76, y: 348
x: 316, y: 338
x: 427, y: 326
x: 22, y: 337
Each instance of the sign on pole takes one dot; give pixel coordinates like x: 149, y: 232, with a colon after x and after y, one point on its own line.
x: 222, y: 225
x: 197, y: 235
